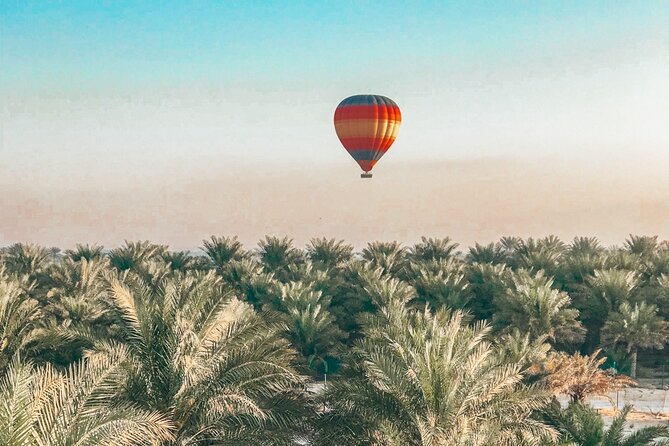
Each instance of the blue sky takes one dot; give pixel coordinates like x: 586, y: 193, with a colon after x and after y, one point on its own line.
x: 98, y: 44
x: 98, y: 93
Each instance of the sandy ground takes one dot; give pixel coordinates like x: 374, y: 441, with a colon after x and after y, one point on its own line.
x: 650, y: 406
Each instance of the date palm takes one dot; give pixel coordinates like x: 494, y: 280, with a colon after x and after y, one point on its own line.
x: 439, y: 283
x: 391, y: 257
x: 329, y: 253
x: 580, y: 376
x: 486, y: 283
x: 309, y: 326
x: 26, y: 259
x: 602, y: 294
x: 540, y: 254
x: 88, y: 252
x: 635, y: 327
x: 277, y: 255
x: 534, y: 307
x: 581, y: 425
x: 222, y: 250
x: 44, y: 407
x: 641, y: 245
x: 133, y: 254
x: 427, y: 379
x: 491, y: 253
x: 433, y: 249
x: 219, y: 371
x: 19, y: 317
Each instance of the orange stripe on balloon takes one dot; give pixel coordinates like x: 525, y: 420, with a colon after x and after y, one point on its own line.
x: 366, y: 127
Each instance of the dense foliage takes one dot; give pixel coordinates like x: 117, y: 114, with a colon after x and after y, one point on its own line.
x: 423, y: 345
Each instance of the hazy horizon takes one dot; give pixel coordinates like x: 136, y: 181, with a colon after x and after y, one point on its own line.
x: 173, y: 121
x: 469, y: 201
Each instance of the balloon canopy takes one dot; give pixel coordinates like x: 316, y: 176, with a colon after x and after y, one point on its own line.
x: 367, y: 126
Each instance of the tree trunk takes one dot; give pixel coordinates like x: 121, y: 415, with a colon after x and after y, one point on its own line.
x: 633, y: 363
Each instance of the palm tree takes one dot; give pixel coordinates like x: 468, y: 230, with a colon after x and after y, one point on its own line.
x: 439, y: 283
x: 19, y: 317
x: 433, y: 249
x: 585, y: 245
x: 533, y: 306
x: 180, y: 260
x: 491, y: 253
x: 390, y: 256
x: 581, y: 425
x: 133, y: 254
x: 423, y: 378
x: 662, y: 296
x: 77, y: 309
x: 88, y: 252
x: 42, y: 407
x: 641, y: 245
x: 25, y: 259
x: 634, y: 328
x: 486, y: 283
x: 277, y: 255
x: 542, y: 254
x: 519, y: 348
x: 329, y: 253
x: 309, y: 326
x: 219, y: 371
x: 250, y: 282
x: 222, y: 250
x: 603, y: 293
x: 580, y: 376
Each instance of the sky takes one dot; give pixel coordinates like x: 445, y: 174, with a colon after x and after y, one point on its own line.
x: 173, y: 121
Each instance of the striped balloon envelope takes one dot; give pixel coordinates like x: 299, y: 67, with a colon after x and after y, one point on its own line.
x: 367, y: 126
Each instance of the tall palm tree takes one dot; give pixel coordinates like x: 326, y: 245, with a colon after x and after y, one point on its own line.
x: 26, y: 259
x: 439, y: 283
x: 77, y: 309
x: 220, y: 372
x: 585, y: 245
x: 581, y: 425
x: 390, y: 256
x: 222, y: 250
x: 43, y: 407
x: 540, y: 254
x: 601, y: 294
x: 277, y: 255
x: 427, y: 379
x: 491, y: 253
x: 486, y: 283
x: 250, y: 281
x: 19, y: 316
x: 88, y: 252
x: 635, y: 327
x: 641, y: 245
x: 433, y: 249
x: 309, y: 326
x: 329, y: 253
x: 662, y: 296
x: 133, y: 254
x: 533, y: 306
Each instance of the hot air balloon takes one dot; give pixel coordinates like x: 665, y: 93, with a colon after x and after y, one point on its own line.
x: 367, y: 126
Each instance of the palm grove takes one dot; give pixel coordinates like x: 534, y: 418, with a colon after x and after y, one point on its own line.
x: 426, y: 345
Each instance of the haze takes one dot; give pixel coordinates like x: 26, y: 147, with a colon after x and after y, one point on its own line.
x: 175, y: 121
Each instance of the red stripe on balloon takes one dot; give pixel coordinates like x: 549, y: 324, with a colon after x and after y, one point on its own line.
x: 368, y: 112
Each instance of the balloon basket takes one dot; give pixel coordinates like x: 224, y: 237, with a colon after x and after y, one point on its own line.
x: 366, y: 175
